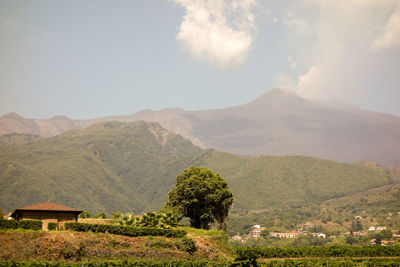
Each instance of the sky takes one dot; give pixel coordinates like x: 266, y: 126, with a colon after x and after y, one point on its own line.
x: 96, y: 58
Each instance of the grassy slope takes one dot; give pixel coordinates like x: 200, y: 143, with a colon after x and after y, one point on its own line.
x: 73, y: 246
x: 131, y: 167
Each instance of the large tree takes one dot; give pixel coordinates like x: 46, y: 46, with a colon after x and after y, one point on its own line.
x: 202, y: 196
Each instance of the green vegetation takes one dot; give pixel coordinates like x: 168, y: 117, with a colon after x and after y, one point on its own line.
x: 204, y: 263
x: 154, y: 263
x: 202, y: 196
x: 332, y: 263
x: 71, y: 246
x: 132, y: 166
x: 52, y: 226
x: 106, y: 167
x: 101, y: 215
x: 187, y: 244
x: 124, y: 230
x: 24, y: 224
x: 317, y: 251
x: 148, y: 219
x: 267, y: 181
x: 85, y: 215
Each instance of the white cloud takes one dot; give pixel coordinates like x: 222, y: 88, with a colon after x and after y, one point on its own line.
x: 342, y: 64
x: 310, y: 84
x: 294, y: 22
x: 217, y: 31
x: 390, y: 37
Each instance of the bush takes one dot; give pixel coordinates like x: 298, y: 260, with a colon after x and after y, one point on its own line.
x: 52, y: 226
x: 124, y: 230
x: 24, y: 224
x: 30, y: 224
x: 8, y: 224
x: 188, y: 245
x: 101, y: 215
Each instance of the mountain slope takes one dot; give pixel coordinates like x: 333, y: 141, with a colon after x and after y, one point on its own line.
x: 277, y: 123
x: 108, y: 166
x: 283, y: 123
x: 132, y: 166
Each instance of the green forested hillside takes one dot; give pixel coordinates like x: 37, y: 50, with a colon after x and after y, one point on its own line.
x: 267, y: 181
x: 131, y: 167
x: 108, y: 166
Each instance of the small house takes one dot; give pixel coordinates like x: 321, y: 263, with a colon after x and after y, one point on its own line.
x: 256, y: 231
x: 47, y: 212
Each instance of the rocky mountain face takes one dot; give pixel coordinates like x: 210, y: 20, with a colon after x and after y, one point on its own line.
x: 277, y: 123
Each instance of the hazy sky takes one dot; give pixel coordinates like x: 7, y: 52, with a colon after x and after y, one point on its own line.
x: 93, y: 58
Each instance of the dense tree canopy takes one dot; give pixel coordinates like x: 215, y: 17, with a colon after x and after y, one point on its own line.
x: 202, y: 196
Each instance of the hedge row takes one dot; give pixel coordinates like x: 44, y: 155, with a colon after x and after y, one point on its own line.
x: 320, y: 251
x: 176, y: 263
x: 24, y: 224
x: 332, y: 263
x: 124, y: 230
x: 52, y: 226
x: 154, y: 263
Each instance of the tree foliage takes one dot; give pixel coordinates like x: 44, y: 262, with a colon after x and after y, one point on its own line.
x: 101, y: 215
x: 202, y: 196
x: 85, y: 214
x: 148, y: 219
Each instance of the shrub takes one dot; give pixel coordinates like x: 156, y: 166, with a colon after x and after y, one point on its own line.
x: 52, y: 226
x: 188, y: 245
x: 30, y: 224
x: 24, y: 224
x: 8, y: 224
x: 101, y: 215
x: 124, y: 230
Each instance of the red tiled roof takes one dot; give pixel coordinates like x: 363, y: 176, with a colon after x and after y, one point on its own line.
x: 48, y: 207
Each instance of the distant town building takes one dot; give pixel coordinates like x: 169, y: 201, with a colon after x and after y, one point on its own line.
x: 371, y: 228
x: 396, y: 236
x: 285, y: 235
x: 319, y: 235
x: 387, y: 242
x: 256, y: 231
x: 380, y: 228
x: 360, y: 233
x: 305, y: 226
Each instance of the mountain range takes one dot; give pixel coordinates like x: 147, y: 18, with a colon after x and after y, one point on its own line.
x: 277, y: 123
x: 113, y: 166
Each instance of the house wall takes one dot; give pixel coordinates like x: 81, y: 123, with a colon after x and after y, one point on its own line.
x: 59, y: 217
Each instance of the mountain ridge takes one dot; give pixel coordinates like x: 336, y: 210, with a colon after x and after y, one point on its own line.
x: 279, y: 122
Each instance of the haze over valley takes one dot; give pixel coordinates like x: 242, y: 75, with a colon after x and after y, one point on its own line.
x: 277, y: 123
